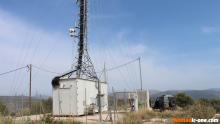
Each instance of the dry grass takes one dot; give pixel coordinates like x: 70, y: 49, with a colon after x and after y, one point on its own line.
x: 131, y: 118
x: 7, y: 120
x: 198, y: 110
x: 44, y: 120
x: 201, y: 110
x: 148, y: 116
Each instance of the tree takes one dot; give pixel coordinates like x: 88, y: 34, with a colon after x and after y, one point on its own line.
x: 183, y: 100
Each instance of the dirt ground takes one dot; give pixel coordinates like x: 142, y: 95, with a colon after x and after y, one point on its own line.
x: 94, y: 119
x: 90, y: 119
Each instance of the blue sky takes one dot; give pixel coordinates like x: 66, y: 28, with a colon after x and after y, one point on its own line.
x: 177, y: 40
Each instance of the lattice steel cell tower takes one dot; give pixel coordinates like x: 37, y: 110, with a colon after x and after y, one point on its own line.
x: 83, y: 66
x: 79, y: 90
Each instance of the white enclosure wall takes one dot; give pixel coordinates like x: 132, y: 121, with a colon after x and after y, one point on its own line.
x: 64, y: 98
x: 70, y: 96
x: 91, y: 89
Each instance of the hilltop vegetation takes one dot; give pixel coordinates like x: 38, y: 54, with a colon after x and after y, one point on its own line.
x: 186, y: 108
x: 182, y: 100
x: 39, y: 106
x: 195, y: 94
x: 3, y: 109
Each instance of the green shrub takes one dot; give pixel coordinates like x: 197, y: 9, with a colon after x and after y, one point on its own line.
x: 3, y: 109
x: 183, y: 100
x: 23, y: 112
x: 216, y: 104
x: 47, y: 119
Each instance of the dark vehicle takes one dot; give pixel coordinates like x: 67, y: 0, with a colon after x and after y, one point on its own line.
x: 165, y: 102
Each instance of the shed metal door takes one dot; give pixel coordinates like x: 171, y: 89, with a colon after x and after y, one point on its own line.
x: 65, y: 105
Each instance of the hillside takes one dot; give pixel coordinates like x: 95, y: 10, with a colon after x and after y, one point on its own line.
x: 195, y: 94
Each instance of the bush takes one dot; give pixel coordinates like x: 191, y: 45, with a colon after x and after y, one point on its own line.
x: 42, y: 106
x: 131, y: 118
x: 213, y: 102
x: 4, y: 120
x: 182, y: 100
x: 23, y: 112
x: 147, y: 116
x: 3, y: 109
x: 47, y: 105
x: 216, y: 104
x: 201, y: 109
x: 47, y: 119
x: 36, y: 108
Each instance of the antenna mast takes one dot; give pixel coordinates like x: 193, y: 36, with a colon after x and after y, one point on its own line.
x: 84, y: 66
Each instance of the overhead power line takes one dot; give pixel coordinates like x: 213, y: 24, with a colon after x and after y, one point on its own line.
x: 119, y: 66
x: 13, y: 70
x: 45, y: 70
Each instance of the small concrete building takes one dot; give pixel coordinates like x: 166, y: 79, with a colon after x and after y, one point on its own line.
x: 76, y: 96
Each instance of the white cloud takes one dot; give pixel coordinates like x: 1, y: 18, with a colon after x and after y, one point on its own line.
x: 20, y: 37
x: 22, y: 43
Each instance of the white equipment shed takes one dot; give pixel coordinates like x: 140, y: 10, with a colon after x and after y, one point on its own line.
x: 76, y: 96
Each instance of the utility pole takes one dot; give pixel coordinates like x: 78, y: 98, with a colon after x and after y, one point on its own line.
x: 105, y: 74
x: 139, y: 59
x: 99, y: 100
x: 86, y: 105
x: 30, y: 71
x: 114, y: 103
x: 22, y: 104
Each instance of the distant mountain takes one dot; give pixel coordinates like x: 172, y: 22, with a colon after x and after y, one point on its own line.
x: 195, y: 94
x: 153, y: 92
x: 215, y: 89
